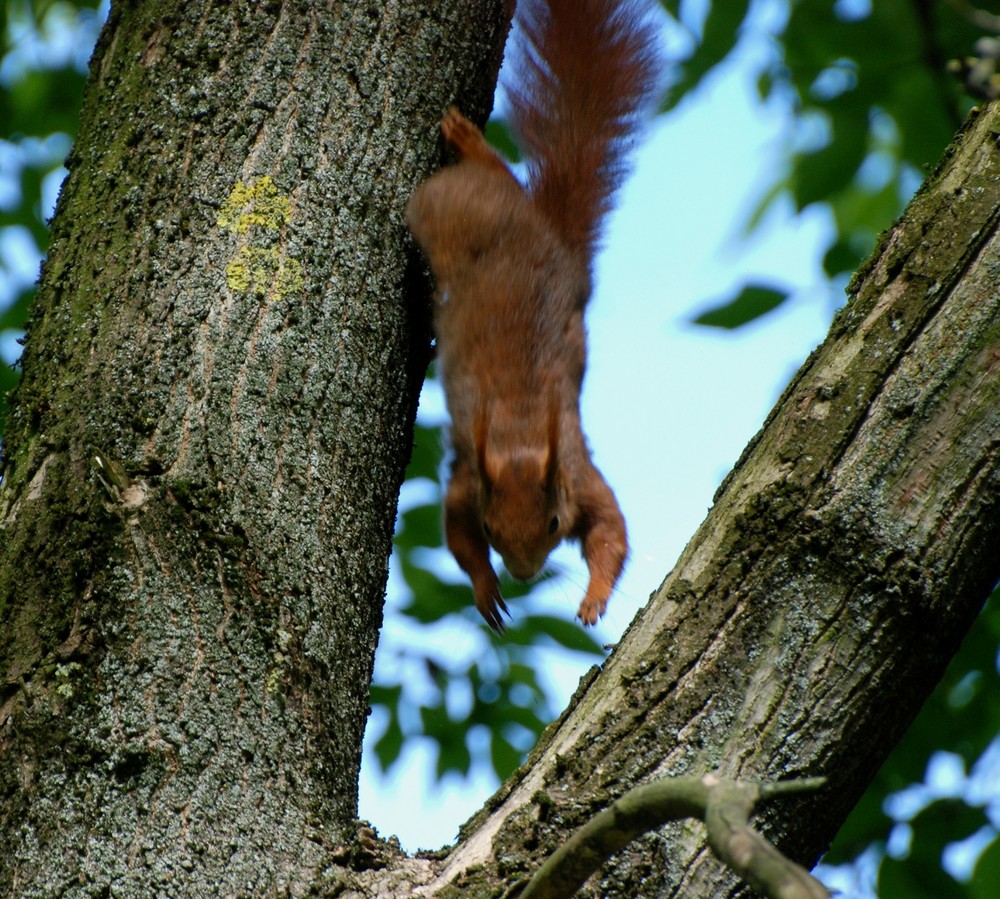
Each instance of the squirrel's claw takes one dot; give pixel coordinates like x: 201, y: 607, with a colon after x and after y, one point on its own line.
x: 591, y: 609
x: 490, y: 606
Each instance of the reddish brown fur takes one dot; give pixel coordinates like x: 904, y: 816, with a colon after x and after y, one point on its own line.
x: 584, y: 73
x: 513, y: 277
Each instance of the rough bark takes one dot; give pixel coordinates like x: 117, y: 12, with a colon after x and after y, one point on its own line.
x: 232, y: 319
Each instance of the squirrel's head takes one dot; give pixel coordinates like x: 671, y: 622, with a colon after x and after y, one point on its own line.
x: 525, y: 513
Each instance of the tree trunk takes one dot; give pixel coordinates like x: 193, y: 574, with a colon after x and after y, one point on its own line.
x: 188, y: 624
x: 202, y: 465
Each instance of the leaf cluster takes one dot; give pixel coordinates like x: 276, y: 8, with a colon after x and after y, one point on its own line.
x: 873, y: 104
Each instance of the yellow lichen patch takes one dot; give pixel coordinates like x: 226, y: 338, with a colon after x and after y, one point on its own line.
x: 259, y: 268
x: 260, y: 205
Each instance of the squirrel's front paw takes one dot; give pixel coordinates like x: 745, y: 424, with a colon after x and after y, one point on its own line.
x: 490, y: 604
x: 592, y: 608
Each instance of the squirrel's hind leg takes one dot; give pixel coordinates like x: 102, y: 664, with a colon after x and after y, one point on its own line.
x: 467, y: 140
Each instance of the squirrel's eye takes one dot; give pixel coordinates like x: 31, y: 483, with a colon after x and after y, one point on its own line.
x: 487, y: 531
x: 554, y: 524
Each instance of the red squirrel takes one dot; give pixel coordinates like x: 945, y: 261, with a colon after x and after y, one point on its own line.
x: 512, y: 268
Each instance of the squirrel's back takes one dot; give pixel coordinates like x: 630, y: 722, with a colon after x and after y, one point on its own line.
x: 585, y: 71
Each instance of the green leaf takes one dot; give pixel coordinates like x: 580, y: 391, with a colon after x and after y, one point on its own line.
x: 390, y: 744
x: 841, y: 257
x: 569, y: 634
x: 753, y: 301
x: 425, y: 460
x: 383, y: 694
x: 433, y: 599
x: 926, y: 128
x: 13, y: 318
x: 500, y: 136
x: 435, y: 720
x: 719, y: 36
x: 819, y: 175
x: 419, y: 526
x: 511, y: 588
x: 920, y: 874
x: 525, y: 717
x: 42, y: 102
x: 522, y: 673
x: 946, y: 821
x: 453, y: 754
x: 986, y: 874
x: 915, y: 878
x: 867, y: 824
x: 503, y: 755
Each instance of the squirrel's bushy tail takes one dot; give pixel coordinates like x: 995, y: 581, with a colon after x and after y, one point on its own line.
x: 586, y: 71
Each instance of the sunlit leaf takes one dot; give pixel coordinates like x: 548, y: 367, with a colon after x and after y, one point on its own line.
x: 753, y: 301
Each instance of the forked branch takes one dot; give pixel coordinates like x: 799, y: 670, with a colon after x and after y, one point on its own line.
x: 723, y: 805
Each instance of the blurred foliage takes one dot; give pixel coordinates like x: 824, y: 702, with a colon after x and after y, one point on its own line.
x: 871, y: 107
x: 43, y: 52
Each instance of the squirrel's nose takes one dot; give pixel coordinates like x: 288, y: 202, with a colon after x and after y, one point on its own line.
x: 522, y: 569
